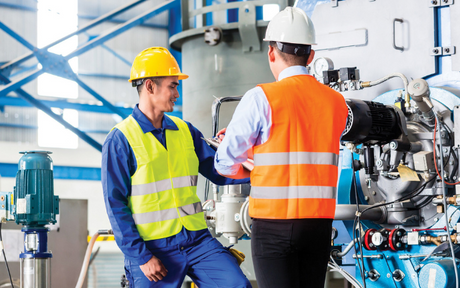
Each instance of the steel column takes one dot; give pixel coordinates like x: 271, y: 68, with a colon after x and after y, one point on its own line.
x: 88, y: 26
x: 44, y: 108
x: 12, y: 86
x: 17, y: 37
x: 117, y: 30
x: 100, y: 98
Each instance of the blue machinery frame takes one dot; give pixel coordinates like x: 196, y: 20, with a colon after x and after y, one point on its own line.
x: 58, y: 65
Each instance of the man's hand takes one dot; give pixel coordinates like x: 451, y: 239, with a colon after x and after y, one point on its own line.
x: 154, y: 269
x: 220, y: 135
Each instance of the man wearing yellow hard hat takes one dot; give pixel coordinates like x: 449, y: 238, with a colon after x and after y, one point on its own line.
x: 150, y: 166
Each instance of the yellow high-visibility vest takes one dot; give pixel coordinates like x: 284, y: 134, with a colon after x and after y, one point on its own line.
x: 163, y: 195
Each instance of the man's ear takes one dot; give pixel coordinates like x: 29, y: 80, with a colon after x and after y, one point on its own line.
x: 150, y: 86
x: 271, y: 54
x: 310, y: 58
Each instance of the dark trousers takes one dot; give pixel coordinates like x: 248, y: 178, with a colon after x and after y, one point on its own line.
x: 291, y: 253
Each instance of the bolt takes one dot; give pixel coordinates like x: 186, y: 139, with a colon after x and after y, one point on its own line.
x: 435, y: 219
x: 366, y: 198
x: 398, y: 233
x: 434, y: 2
x: 447, y: 50
x: 446, y: 150
x: 388, y: 275
x: 446, y: 1
x: 371, y: 245
x: 398, y: 244
x: 393, y: 145
x: 435, y: 51
x: 2, y: 198
x: 3, y: 206
x: 374, y: 193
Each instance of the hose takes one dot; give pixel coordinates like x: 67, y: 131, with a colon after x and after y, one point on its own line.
x: 336, y: 253
x: 84, y: 267
x: 245, y: 218
x: 386, y: 78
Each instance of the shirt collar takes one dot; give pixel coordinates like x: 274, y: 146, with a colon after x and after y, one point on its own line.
x: 293, y: 71
x: 147, y: 126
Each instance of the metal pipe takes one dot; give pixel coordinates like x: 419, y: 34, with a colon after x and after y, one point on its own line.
x: 419, y: 91
x: 215, y: 111
x: 348, y: 212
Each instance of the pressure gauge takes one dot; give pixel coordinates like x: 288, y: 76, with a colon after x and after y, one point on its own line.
x: 322, y: 64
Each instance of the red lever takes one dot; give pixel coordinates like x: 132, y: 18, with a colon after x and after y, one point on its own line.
x: 432, y: 229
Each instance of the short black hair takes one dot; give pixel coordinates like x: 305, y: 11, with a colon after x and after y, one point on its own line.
x: 156, y: 80
x: 292, y: 59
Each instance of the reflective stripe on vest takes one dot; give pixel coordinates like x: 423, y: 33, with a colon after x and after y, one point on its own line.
x: 292, y: 158
x: 296, y: 169
x: 163, y: 185
x: 168, y: 214
x: 163, y: 189
x: 294, y: 192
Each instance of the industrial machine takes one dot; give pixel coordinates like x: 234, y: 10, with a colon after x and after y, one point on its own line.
x: 398, y: 201
x: 34, y: 206
x: 397, y: 189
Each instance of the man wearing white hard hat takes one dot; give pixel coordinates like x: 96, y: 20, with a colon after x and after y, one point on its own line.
x: 293, y: 126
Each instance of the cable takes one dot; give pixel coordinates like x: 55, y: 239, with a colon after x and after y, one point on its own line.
x: 443, y: 182
x: 336, y: 253
x: 4, y: 256
x: 336, y: 268
x: 442, y: 155
x: 355, y: 221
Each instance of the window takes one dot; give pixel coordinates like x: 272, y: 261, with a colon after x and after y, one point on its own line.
x: 55, y: 19
x: 52, y: 134
x: 270, y: 10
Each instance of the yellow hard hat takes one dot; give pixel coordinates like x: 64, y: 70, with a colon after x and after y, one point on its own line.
x: 155, y: 62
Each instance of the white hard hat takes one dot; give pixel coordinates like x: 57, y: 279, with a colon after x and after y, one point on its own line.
x: 291, y: 25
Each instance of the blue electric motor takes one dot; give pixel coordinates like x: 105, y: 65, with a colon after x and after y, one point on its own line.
x: 35, y: 206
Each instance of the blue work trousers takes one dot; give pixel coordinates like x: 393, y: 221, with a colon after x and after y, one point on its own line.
x: 206, y: 262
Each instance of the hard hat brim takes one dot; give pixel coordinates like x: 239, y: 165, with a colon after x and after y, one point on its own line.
x: 181, y: 76
x: 268, y: 40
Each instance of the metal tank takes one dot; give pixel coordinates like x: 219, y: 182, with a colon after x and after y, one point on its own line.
x: 219, y: 71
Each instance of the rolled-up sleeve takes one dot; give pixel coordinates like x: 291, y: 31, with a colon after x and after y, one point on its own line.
x: 118, y: 164
x: 248, y: 127
x: 205, y: 156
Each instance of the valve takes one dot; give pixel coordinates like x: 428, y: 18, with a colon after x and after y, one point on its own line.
x: 385, y: 239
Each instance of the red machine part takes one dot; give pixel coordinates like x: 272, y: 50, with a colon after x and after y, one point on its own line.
x: 368, y: 239
x: 395, y: 239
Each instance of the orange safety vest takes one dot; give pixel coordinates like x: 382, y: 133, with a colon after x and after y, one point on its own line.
x: 295, y: 172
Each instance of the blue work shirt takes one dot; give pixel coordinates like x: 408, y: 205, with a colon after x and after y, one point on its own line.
x: 119, y: 164
x: 250, y: 126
